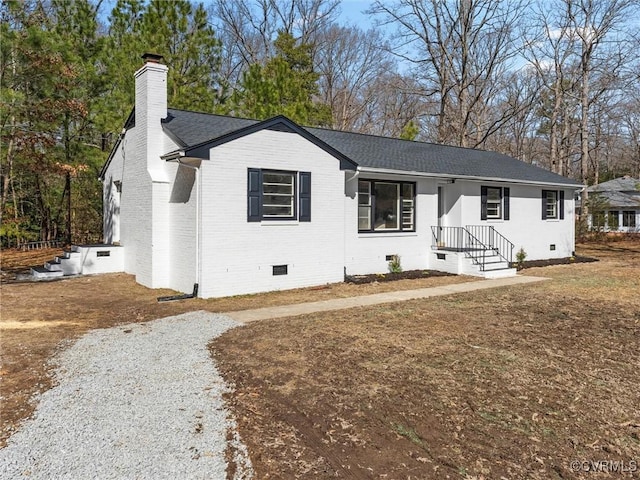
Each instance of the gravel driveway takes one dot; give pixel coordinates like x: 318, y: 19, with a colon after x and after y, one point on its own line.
x: 139, y: 401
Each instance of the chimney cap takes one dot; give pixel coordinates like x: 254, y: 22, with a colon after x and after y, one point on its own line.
x: 152, y: 57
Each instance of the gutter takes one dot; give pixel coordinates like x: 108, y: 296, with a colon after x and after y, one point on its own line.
x: 176, y: 155
x: 388, y: 171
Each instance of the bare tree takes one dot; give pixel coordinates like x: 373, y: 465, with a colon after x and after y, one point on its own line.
x: 393, y: 102
x: 552, y: 53
x: 597, y: 25
x: 350, y: 62
x: 630, y: 119
x: 518, y: 136
x: 249, y: 27
x: 460, y: 50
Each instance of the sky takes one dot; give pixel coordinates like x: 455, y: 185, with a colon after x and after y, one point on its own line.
x: 352, y: 13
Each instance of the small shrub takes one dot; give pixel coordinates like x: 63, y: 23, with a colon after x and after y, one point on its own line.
x: 394, y: 264
x: 521, y: 255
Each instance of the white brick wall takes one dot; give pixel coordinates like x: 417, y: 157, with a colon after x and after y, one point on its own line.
x: 366, y: 252
x: 182, y: 231
x: 525, y: 228
x: 237, y: 255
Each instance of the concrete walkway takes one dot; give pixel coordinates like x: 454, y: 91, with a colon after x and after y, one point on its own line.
x: 375, y: 299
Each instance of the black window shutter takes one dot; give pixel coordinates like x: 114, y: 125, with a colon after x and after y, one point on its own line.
x: 254, y: 195
x: 544, y: 204
x: 561, y: 206
x: 483, y: 203
x: 505, y: 201
x: 305, y: 197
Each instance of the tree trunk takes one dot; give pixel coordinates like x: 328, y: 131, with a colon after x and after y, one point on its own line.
x: 67, y: 187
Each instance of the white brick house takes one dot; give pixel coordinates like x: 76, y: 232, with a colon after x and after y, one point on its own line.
x: 239, y: 206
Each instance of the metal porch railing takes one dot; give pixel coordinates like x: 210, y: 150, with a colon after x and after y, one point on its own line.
x: 475, y: 241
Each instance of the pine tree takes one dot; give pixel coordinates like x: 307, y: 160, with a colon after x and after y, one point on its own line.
x: 285, y: 85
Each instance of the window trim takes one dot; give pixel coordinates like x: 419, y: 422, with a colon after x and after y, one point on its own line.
x: 293, y: 195
x: 626, y: 215
x: 371, y: 206
x: 551, y: 204
x: 491, y: 203
x: 301, y: 197
x: 559, y: 204
x: 504, y: 203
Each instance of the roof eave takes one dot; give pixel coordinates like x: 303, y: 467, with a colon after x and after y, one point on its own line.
x: 129, y: 123
x: 412, y: 173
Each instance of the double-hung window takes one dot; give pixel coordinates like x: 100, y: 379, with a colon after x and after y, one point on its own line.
x: 278, y: 195
x: 629, y: 218
x: 494, y: 203
x: 552, y: 204
x: 385, y: 206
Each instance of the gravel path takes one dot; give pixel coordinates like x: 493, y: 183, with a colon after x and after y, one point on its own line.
x: 139, y: 401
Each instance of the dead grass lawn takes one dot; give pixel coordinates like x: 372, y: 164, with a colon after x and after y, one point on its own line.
x: 506, y: 383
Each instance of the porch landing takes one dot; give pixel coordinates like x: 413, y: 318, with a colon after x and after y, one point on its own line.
x: 465, y: 262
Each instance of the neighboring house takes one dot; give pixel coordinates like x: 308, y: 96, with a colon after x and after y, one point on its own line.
x: 241, y: 206
x: 615, y: 205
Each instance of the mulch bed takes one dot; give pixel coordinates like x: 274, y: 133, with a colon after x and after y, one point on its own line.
x: 558, y: 261
x: 413, y: 274
x: 390, y: 277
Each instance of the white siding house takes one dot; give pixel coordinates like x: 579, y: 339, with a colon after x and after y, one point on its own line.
x: 238, y: 206
x: 615, y: 205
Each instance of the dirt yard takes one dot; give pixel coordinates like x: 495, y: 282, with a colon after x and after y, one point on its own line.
x: 508, y: 383
x: 515, y: 383
x: 37, y: 319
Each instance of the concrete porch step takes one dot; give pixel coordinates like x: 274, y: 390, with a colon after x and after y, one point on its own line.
x: 501, y: 265
x: 500, y: 273
x: 41, y: 273
x: 53, y: 266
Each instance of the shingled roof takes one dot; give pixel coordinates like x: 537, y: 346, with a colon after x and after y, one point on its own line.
x: 623, y: 192
x: 189, y: 129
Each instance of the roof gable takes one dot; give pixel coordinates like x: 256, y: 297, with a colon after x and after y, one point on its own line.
x: 279, y: 123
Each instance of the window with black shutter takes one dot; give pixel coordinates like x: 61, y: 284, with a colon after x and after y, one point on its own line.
x: 278, y: 195
x: 551, y: 208
x: 494, y: 203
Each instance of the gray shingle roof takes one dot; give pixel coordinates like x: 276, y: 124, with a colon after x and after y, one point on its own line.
x: 192, y: 128
x: 622, y: 184
x: 623, y: 192
x: 619, y: 199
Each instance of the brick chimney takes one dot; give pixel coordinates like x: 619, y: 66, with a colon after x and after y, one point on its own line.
x: 151, y: 108
x: 151, y: 193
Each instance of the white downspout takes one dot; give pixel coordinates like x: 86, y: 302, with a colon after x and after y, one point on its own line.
x: 345, y: 231
x: 198, y: 236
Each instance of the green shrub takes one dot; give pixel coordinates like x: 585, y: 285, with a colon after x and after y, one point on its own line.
x: 394, y: 264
